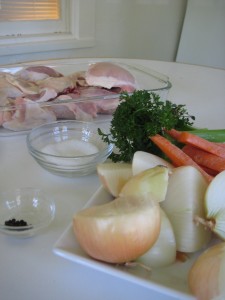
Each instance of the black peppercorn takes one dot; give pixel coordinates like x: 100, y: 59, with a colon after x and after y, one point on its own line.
x: 15, y: 223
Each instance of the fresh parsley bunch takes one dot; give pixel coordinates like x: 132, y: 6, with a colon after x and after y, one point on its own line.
x: 138, y: 116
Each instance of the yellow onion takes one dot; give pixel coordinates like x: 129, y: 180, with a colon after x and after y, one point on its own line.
x: 113, y: 176
x: 118, y: 231
x: 206, y: 277
x: 151, y: 181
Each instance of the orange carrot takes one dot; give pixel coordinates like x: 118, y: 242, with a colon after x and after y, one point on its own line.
x: 174, y: 133
x: 221, y: 144
x: 176, y: 155
x: 209, y: 171
x: 196, y: 141
x: 205, y: 159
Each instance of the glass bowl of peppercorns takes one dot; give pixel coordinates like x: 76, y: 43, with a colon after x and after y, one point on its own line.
x: 25, y: 211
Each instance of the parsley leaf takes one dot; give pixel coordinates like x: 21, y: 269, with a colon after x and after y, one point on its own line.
x: 138, y: 116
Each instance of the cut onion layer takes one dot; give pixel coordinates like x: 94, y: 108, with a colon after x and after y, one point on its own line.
x: 163, y: 252
x: 185, y: 200
x: 151, y: 181
x: 144, y: 160
x: 113, y: 176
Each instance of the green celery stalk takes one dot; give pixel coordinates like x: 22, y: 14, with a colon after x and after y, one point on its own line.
x: 212, y: 135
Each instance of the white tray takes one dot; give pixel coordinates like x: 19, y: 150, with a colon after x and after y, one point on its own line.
x: 171, y: 280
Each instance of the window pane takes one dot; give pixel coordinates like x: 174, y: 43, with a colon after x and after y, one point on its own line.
x: 18, y: 10
x: 75, y: 28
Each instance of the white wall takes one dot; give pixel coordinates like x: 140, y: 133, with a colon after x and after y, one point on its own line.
x: 203, y: 35
x: 148, y: 29
x: 156, y: 28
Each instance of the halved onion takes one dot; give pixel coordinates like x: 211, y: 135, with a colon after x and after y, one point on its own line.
x: 113, y: 176
x: 118, y: 231
x: 163, y: 252
x: 184, y: 200
x: 144, y: 160
x: 206, y: 276
x: 151, y: 181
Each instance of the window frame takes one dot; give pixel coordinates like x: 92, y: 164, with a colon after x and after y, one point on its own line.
x: 78, y: 31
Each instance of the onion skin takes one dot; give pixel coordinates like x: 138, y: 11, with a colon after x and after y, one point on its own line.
x: 118, y: 231
x: 206, y: 276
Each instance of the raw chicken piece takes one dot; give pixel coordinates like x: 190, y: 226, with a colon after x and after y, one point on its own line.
x: 79, y: 78
x: 84, y: 111
x: 109, y: 75
x: 59, y: 84
x: 45, y: 94
x: 5, y: 116
x: 28, y: 114
x: 27, y: 87
x: 106, y: 104
x: 7, y: 90
x: 29, y: 90
x: 93, y: 92
x: 35, y: 73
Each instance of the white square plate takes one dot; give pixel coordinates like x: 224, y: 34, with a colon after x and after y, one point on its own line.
x: 171, y: 280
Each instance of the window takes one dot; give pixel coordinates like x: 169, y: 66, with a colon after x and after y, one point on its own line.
x: 56, y: 25
x: 14, y: 10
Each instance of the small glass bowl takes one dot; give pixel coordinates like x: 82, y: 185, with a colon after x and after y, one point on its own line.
x: 29, y: 205
x: 65, y: 137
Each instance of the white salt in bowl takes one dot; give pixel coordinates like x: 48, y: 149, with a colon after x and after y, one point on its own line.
x: 68, y: 148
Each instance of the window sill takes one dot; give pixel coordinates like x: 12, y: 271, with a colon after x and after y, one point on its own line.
x: 44, y: 44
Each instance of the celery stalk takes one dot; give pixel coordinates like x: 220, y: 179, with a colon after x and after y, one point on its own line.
x: 212, y: 135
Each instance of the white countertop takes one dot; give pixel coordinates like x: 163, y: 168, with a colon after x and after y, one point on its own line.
x: 28, y: 267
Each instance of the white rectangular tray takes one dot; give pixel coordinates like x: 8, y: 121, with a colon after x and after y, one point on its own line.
x: 171, y: 280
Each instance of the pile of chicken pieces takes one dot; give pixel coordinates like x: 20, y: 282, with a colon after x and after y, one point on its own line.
x: 40, y: 94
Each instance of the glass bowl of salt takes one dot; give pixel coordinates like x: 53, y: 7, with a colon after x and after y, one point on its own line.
x: 68, y: 148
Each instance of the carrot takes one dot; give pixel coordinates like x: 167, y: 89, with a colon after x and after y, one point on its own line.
x: 209, y: 171
x: 176, y: 155
x: 221, y: 144
x: 196, y: 141
x: 205, y: 159
x: 175, y: 134
x: 213, y: 135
